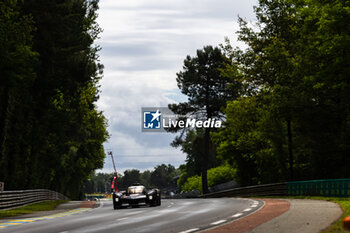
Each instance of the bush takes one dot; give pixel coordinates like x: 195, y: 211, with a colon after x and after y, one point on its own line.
x: 221, y: 174
x: 217, y: 175
x: 193, y: 183
x: 182, y: 179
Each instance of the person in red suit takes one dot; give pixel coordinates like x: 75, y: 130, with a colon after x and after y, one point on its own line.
x: 114, y: 184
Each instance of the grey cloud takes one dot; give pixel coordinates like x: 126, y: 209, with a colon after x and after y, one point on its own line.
x: 127, y: 50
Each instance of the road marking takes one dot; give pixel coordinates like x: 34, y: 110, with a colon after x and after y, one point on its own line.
x: 190, y: 230
x: 170, y: 205
x: 10, y: 223
x: 217, y: 222
x: 22, y: 221
x: 121, y: 219
x: 246, y: 210
x: 253, y: 206
x: 136, y: 212
x: 255, y: 203
x: 237, y: 215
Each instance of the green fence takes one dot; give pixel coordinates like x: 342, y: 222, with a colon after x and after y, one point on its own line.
x: 328, y: 188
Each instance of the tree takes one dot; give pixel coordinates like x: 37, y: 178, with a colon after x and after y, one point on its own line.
x: 193, y: 146
x: 296, y: 67
x: 17, y: 74
x: 130, y: 177
x: 163, y: 176
x: 51, y: 132
x: 207, y: 92
x: 146, y: 178
x: 249, y: 141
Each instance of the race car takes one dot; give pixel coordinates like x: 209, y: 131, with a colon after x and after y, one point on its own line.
x: 136, y: 195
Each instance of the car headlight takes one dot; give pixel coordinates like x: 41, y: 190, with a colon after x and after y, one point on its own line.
x: 150, y: 197
x: 116, y: 199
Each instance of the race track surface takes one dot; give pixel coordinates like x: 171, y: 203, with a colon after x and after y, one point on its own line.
x: 174, y: 215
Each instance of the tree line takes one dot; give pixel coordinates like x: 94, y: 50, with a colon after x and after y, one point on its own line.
x: 284, y: 99
x: 163, y: 177
x: 51, y: 132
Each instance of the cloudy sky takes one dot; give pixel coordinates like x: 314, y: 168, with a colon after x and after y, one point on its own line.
x: 144, y: 43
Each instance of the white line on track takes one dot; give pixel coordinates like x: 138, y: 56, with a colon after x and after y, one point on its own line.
x: 237, y: 215
x: 253, y: 206
x: 121, y: 219
x: 136, y: 212
x: 217, y: 222
x: 246, y: 210
x: 190, y: 230
x: 170, y: 205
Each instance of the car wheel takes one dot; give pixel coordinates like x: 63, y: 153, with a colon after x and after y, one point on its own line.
x: 115, y: 204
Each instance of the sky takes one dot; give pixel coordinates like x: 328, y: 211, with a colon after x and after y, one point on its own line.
x: 144, y: 44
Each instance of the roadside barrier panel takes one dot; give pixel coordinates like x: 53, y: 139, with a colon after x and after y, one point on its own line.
x: 13, y: 199
x: 279, y: 189
x: 328, y: 188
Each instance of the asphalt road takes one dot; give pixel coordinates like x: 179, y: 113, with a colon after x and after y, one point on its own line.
x: 174, y: 215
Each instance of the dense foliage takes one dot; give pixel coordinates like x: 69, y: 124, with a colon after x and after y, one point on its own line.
x: 207, y: 90
x: 161, y: 177
x: 217, y: 175
x: 51, y: 134
x: 293, y: 122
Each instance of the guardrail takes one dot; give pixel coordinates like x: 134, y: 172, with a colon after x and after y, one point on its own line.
x: 190, y: 194
x: 328, y: 188
x: 12, y: 199
x: 279, y: 189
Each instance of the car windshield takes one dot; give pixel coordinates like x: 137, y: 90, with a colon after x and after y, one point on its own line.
x: 136, y: 189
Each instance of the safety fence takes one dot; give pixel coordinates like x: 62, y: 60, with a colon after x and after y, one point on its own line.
x: 279, y: 189
x: 12, y: 199
x: 328, y: 188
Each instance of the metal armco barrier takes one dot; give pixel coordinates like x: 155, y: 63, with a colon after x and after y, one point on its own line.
x: 328, y: 188
x: 12, y: 199
x: 279, y: 189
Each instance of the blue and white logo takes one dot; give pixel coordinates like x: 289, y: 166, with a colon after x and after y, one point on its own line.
x: 162, y: 120
x: 152, y: 120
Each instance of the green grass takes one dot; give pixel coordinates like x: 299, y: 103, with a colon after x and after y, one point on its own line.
x: 337, y: 226
x: 41, y: 206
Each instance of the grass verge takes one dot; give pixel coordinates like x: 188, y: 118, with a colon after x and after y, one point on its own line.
x: 337, y: 226
x: 41, y: 206
x: 344, y: 203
